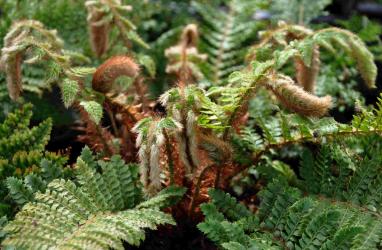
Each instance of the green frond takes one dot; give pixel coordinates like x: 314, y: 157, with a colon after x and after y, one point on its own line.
x: 19, y: 120
x: 94, y: 109
x: 25, y: 167
x: 100, y: 212
x: 228, y: 205
x: 33, y: 139
x: 352, y: 180
x: 284, y: 130
x: 224, y: 35
x: 19, y: 192
x: 287, y: 220
x: 301, y: 12
x: 69, y: 90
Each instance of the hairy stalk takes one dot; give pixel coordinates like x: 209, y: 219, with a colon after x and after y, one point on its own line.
x: 196, y: 193
x: 99, y: 31
x: 169, y: 158
x: 307, y: 75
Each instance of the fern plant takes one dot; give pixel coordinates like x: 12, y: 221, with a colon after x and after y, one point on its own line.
x: 222, y: 116
x: 103, y: 207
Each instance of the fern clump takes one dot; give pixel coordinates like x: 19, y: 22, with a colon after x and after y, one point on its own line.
x: 206, y: 102
x: 103, y: 208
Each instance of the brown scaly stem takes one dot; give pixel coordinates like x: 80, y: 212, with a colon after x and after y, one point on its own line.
x: 112, y: 120
x: 197, y: 188
x: 169, y: 158
x: 108, y: 149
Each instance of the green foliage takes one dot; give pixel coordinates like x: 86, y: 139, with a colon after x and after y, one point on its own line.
x: 104, y: 208
x: 225, y: 36
x: 282, y: 130
x: 368, y: 30
x: 25, y: 167
x: 94, y: 109
x: 298, y: 11
x: 287, y: 220
x: 342, y: 173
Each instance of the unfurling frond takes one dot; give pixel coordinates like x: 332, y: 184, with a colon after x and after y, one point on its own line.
x: 23, y: 35
x: 111, y: 69
x: 151, y: 139
x: 99, y: 28
x: 302, y: 44
x: 296, y: 99
x: 184, y: 58
x: 100, y: 212
x: 101, y: 16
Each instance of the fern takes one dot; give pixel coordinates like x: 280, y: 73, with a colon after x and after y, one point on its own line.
x: 286, y: 220
x: 101, y: 16
x: 225, y: 35
x: 298, y: 11
x: 284, y: 130
x: 355, y: 181
x: 103, y: 209
x: 302, y: 44
x: 25, y: 167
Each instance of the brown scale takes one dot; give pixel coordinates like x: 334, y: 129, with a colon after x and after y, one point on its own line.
x: 99, y: 34
x: 97, y: 137
x: 111, y: 69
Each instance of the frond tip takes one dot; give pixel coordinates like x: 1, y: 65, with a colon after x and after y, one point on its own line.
x: 296, y: 99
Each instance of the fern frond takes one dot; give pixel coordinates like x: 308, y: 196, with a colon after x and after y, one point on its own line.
x: 287, y: 219
x: 23, y: 35
x: 298, y: 12
x: 184, y: 58
x: 289, y: 129
x: 302, y: 44
x: 97, y: 213
x: 101, y: 16
x: 25, y: 167
x: 224, y: 35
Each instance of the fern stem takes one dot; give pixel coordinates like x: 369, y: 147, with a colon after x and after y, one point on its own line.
x: 197, y: 188
x: 169, y: 158
x: 112, y: 120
